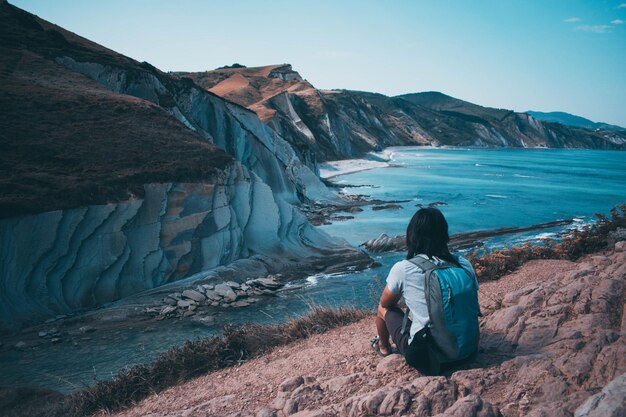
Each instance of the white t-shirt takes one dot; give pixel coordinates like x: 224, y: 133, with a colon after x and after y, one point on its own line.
x: 408, y: 279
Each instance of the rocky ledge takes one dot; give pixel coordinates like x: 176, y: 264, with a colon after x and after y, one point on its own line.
x: 207, y: 296
x: 553, y: 343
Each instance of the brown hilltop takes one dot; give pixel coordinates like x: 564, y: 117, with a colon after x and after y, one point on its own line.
x: 340, y: 124
x: 67, y: 141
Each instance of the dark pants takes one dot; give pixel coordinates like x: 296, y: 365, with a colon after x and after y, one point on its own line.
x: 416, y: 353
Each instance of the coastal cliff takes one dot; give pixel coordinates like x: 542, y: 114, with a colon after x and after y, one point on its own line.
x: 62, y: 261
x: 343, y: 124
x: 118, y: 178
x: 553, y: 342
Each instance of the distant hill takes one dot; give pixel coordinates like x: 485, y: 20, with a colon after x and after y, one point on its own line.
x: 568, y: 119
x: 340, y: 124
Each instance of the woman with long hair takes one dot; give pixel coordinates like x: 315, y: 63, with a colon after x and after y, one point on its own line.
x: 426, y: 237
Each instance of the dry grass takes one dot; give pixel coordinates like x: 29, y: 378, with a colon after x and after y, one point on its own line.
x: 592, y: 238
x: 196, y: 358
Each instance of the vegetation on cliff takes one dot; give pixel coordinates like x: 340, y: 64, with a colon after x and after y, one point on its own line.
x: 591, y: 238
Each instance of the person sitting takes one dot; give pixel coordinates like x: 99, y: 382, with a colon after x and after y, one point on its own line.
x: 427, y: 242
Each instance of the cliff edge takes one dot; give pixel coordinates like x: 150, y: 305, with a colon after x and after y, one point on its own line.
x: 553, y: 342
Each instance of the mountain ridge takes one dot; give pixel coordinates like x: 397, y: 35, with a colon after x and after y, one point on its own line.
x: 569, y: 119
x: 314, y: 119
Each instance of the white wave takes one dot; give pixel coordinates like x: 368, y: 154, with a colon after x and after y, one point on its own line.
x: 313, y: 279
x: 478, y: 165
x: 524, y: 176
x: 348, y: 166
x: 495, y: 196
x: 545, y: 235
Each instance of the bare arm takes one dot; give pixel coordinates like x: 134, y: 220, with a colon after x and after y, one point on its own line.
x: 389, y: 299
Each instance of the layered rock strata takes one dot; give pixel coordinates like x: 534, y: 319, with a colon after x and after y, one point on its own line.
x: 61, y: 261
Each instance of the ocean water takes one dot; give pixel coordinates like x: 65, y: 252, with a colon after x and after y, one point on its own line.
x: 482, y: 189
x: 486, y: 188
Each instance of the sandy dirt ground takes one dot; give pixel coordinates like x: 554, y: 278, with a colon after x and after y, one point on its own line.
x: 338, y: 373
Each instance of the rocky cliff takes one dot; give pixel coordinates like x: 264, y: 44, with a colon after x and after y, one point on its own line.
x: 552, y: 344
x: 342, y: 124
x: 117, y: 178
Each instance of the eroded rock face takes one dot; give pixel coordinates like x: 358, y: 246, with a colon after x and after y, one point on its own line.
x: 74, y: 259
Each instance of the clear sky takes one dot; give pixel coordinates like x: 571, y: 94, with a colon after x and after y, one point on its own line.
x: 547, y: 55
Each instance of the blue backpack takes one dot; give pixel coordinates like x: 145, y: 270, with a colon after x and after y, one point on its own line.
x: 452, y: 301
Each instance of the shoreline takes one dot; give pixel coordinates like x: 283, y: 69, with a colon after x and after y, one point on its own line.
x: 459, y: 241
x: 534, y: 280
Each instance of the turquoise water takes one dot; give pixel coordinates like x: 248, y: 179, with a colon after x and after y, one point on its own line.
x: 487, y: 188
x: 483, y: 189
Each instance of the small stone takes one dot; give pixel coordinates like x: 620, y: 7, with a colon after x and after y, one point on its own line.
x: 208, y: 287
x: 291, y: 383
x: 20, y: 345
x: 188, y: 313
x: 266, y: 412
x: 215, y: 304
x: 185, y: 303
x: 201, y: 289
x: 244, y: 287
x: 232, y: 284
x: 268, y: 283
x: 192, y: 307
x: 193, y: 295
x: 241, y: 304
x: 167, y: 310
x: 55, y: 340
x: 42, y: 334
x: 290, y: 407
x: 170, y: 301
x: 620, y: 246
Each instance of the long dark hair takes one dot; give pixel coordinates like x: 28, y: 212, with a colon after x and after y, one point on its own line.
x: 427, y: 233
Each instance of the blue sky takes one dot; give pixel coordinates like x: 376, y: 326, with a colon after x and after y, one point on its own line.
x: 548, y: 55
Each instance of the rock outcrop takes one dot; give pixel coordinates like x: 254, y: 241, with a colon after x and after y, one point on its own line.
x: 66, y: 260
x: 553, y: 342
x: 120, y: 178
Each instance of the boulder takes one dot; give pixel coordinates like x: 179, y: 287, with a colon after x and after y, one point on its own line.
x: 225, y: 291
x: 194, y: 295
x: 290, y: 384
x: 620, y: 246
x: 185, y: 303
x: 340, y: 382
x: 391, y: 363
x: 610, y: 402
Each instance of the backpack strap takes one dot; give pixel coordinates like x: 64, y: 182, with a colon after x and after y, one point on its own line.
x: 425, y: 265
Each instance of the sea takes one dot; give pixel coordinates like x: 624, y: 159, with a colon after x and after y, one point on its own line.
x: 476, y: 189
